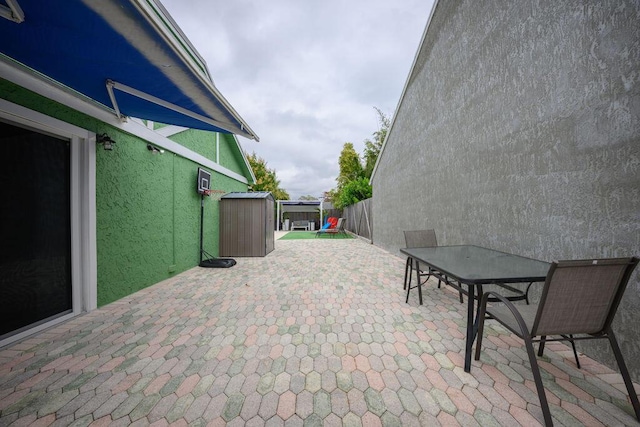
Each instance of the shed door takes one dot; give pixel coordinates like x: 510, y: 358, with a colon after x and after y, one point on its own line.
x: 270, y: 226
x: 35, y: 228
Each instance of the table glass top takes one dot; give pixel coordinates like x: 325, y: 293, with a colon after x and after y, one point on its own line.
x: 478, y: 265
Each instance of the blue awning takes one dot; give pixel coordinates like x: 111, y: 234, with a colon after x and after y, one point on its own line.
x: 128, y: 55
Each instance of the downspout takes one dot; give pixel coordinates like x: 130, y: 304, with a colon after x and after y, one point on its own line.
x: 218, y: 147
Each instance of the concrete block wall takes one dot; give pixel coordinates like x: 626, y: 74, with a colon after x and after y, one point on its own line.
x: 519, y: 130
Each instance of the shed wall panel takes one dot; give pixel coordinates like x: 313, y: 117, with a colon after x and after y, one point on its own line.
x: 246, y: 227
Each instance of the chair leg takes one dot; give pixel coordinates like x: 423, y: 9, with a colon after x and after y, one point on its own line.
x: 625, y: 373
x: 569, y: 338
x: 408, y: 274
x: 543, y: 340
x: 575, y: 352
x: 481, y: 316
x: 526, y: 337
x: 546, y: 413
x: 409, y: 287
x: 460, y: 293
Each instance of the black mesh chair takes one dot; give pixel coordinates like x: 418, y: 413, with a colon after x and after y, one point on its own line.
x: 579, y: 301
x: 421, y: 239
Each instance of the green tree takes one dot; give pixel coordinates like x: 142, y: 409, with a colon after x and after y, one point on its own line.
x: 353, y: 178
x: 372, y: 147
x: 353, y: 186
x: 353, y: 192
x: 350, y: 166
x: 266, y: 179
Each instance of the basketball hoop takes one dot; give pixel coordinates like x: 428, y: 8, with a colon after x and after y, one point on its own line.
x: 215, y: 194
x: 206, y: 193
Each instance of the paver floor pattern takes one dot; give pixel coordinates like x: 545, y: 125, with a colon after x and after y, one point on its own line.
x: 316, y: 333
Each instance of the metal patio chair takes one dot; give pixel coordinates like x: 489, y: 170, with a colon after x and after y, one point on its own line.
x: 579, y: 301
x: 421, y: 239
x: 339, y: 229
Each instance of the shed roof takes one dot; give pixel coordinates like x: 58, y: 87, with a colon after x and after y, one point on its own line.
x: 248, y: 195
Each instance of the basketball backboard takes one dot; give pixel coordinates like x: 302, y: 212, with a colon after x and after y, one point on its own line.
x: 204, y: 181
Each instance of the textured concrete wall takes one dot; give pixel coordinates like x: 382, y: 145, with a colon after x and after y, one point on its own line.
x: 520, y: 131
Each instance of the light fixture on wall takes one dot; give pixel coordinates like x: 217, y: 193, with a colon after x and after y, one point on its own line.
x: 154, y: 150
x: 106, y: 141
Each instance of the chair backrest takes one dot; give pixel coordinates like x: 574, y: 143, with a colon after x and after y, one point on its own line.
x: 582, y: 296
x: 340, y: 224
x: 420, y: 239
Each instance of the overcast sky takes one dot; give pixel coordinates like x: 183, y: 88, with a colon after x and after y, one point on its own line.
x: 305, y: 75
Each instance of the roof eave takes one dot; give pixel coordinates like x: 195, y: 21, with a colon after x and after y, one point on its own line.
x: 160, y: 19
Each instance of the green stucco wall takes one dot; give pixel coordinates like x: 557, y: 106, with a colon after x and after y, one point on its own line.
x: 204, y: 143
x: 147, y: 208
x: 229, y: 155
x: 148, y: 217
x: 33, y: 101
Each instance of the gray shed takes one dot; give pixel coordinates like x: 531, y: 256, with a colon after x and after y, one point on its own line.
x: 246, y: 224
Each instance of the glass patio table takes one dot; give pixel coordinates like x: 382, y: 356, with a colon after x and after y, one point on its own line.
x: 475, y: 266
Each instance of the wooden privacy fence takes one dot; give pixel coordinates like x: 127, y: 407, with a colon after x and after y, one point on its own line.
x: 358, y: 219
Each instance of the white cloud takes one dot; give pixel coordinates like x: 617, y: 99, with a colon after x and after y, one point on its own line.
x: 306, y: 75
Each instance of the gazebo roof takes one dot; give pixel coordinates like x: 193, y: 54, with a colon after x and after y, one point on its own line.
x: 300, y: 205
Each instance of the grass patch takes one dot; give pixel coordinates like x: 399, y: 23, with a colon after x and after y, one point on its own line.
x: 301, y: 235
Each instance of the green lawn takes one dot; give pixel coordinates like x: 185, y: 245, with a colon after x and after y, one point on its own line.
x: 299, y: 235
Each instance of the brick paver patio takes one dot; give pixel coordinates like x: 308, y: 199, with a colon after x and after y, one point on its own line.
x: 316, y: 333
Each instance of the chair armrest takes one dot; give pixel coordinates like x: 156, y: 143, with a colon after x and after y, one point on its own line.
x: 512, y: 308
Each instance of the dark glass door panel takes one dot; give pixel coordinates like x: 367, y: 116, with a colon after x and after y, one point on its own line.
x: 35, y: 228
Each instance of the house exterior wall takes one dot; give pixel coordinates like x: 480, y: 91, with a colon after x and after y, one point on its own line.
x: 147, y: 208
x: 229, y: 157
x: 204, y: 143
x: 519, y: 130
x: 148, y: 217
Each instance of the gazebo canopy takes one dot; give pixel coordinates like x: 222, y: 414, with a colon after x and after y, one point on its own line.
x: 312, y: 206
x: 300, y: 205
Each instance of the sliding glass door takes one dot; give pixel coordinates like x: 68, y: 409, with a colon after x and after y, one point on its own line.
x: 35, y: 228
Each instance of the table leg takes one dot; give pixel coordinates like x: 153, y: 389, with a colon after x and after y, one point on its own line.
x: 418, y: 281
x: 471, y: 329
x: 473, y: 320
x: 407, y: 271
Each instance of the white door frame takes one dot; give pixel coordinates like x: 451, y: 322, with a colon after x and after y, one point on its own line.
x: 83, y: 207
